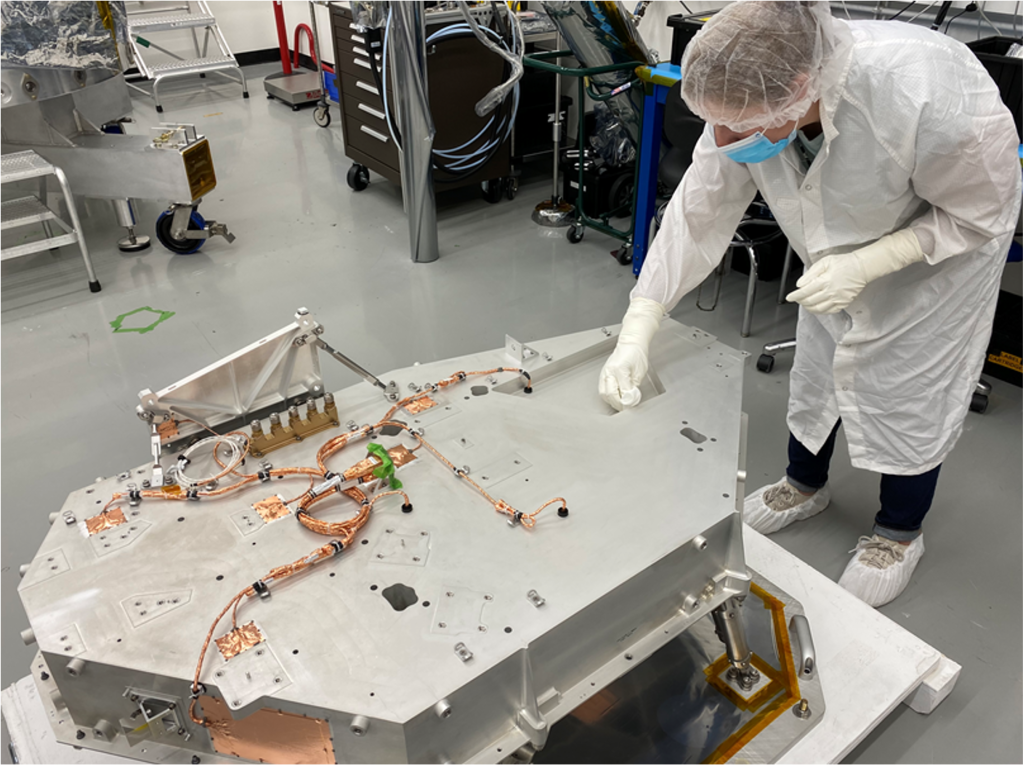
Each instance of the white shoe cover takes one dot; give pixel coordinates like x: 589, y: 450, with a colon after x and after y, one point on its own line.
x: 881, y: 569
x: 784, y: 506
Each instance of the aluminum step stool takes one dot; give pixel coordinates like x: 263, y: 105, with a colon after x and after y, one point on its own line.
x: 143, y: 22
x: 25, y: 211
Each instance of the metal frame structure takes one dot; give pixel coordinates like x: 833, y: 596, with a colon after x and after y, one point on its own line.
x: 145, y: 21
x: 24, y: 211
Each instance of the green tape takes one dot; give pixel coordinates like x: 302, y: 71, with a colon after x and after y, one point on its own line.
x: 161, y: 316
x: 142, y: 41
x: 386, y: 469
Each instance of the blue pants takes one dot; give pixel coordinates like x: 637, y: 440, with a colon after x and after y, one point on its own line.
x: 905, y: 499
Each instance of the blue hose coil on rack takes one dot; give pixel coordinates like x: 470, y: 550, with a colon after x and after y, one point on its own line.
x: 459, y: 163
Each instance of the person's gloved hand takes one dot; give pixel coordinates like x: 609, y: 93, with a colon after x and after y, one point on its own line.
x: 833, y: 282
x: 627, y: 366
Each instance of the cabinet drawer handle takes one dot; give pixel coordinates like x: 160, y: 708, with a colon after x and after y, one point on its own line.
x: 367, y: 87
x: 375, y: 112
x: 359, y: 39
x: 360, y: 51
x: 352, y: 25
x: 379, y: 136
x: 363, y: 64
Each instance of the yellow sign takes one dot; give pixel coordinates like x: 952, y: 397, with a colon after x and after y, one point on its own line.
x: 1006, y: 360
x: 199, y: 168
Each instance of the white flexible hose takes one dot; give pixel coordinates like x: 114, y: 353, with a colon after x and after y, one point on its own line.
x: 461, y: 162
x: 490, y: 101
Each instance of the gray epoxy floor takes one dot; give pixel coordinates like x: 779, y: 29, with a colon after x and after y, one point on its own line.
x: 70, y: 385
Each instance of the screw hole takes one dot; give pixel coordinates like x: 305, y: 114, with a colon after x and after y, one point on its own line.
x: 507, y: 629
x: 295, y: 651
x: 220, y: 577
x: 365, y: 541
x: 181, y: 519
x: 426, y: 604
x: 373, y: 587
x: 332, y: 573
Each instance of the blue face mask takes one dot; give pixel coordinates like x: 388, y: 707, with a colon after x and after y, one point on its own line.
x: 755, y: 148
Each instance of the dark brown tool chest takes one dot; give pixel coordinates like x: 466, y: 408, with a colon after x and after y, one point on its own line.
x: 459, y: 73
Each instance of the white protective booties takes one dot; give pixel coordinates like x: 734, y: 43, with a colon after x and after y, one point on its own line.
x: 833, y: 282
x: 881, y: 568
x: 627, y: 366
x: 772, y: 508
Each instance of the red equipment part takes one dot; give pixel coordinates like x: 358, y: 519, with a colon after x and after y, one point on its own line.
x: 282, y: 36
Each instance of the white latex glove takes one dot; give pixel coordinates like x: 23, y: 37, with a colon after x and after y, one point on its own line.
x: 625, y: 370
x: 833, y: 282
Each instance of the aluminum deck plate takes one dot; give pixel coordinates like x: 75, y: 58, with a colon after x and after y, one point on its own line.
x: 617, y: 578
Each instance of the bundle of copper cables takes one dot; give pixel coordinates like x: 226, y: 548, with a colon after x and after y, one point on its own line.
x: 343, y: 532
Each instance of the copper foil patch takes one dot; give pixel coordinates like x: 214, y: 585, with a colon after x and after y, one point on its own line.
x: 167, y: 429
x: 364, y: 469
x: 239, y: 639
x: 105, y: 521
x: 271, y: 508
x: 419, y: 405
x: 268, y: 735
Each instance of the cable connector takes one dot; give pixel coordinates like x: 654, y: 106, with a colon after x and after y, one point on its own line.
x: 407, y: 507
x: 334, y: 482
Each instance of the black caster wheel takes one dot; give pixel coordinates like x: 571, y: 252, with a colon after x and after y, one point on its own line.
x: 575, y: 234
x: 623, y: 255
x: 179, y: 246
x: 269, y: 97
x: 978, y: 403
x: 358, y: 177
x: 765, y: 363
x: 245, y: 94
x: 322, y: 116
x: 159, y: 110
x: 511, y: 187
x: 94, y: 286
x: 493, y: 190
x: 294, y: 107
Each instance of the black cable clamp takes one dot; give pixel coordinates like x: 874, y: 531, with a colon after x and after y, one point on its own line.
x: 183, y: 462
x: 338, y: 546
x: 518, y: 516
x: 461, y: 376
x: 198, y: 691
x: 134, y: 495
x: 264, y: 474
x: 261, y: 589
x: 192, y: 494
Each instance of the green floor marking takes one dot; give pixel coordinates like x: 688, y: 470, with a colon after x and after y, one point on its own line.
x: 160, y: 317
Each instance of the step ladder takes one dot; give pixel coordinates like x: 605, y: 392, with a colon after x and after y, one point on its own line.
x: 30, y: 210
x: 144, y: 23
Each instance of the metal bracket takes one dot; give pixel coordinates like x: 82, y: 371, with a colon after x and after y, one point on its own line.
x: 521, y: 352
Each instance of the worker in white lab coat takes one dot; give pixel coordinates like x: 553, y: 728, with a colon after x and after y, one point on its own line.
x: 890, y: 162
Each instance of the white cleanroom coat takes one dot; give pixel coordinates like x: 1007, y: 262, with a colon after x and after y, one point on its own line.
x: 915, y: 135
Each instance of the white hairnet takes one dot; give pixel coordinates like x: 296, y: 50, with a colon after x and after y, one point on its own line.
x: 757, y: 63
